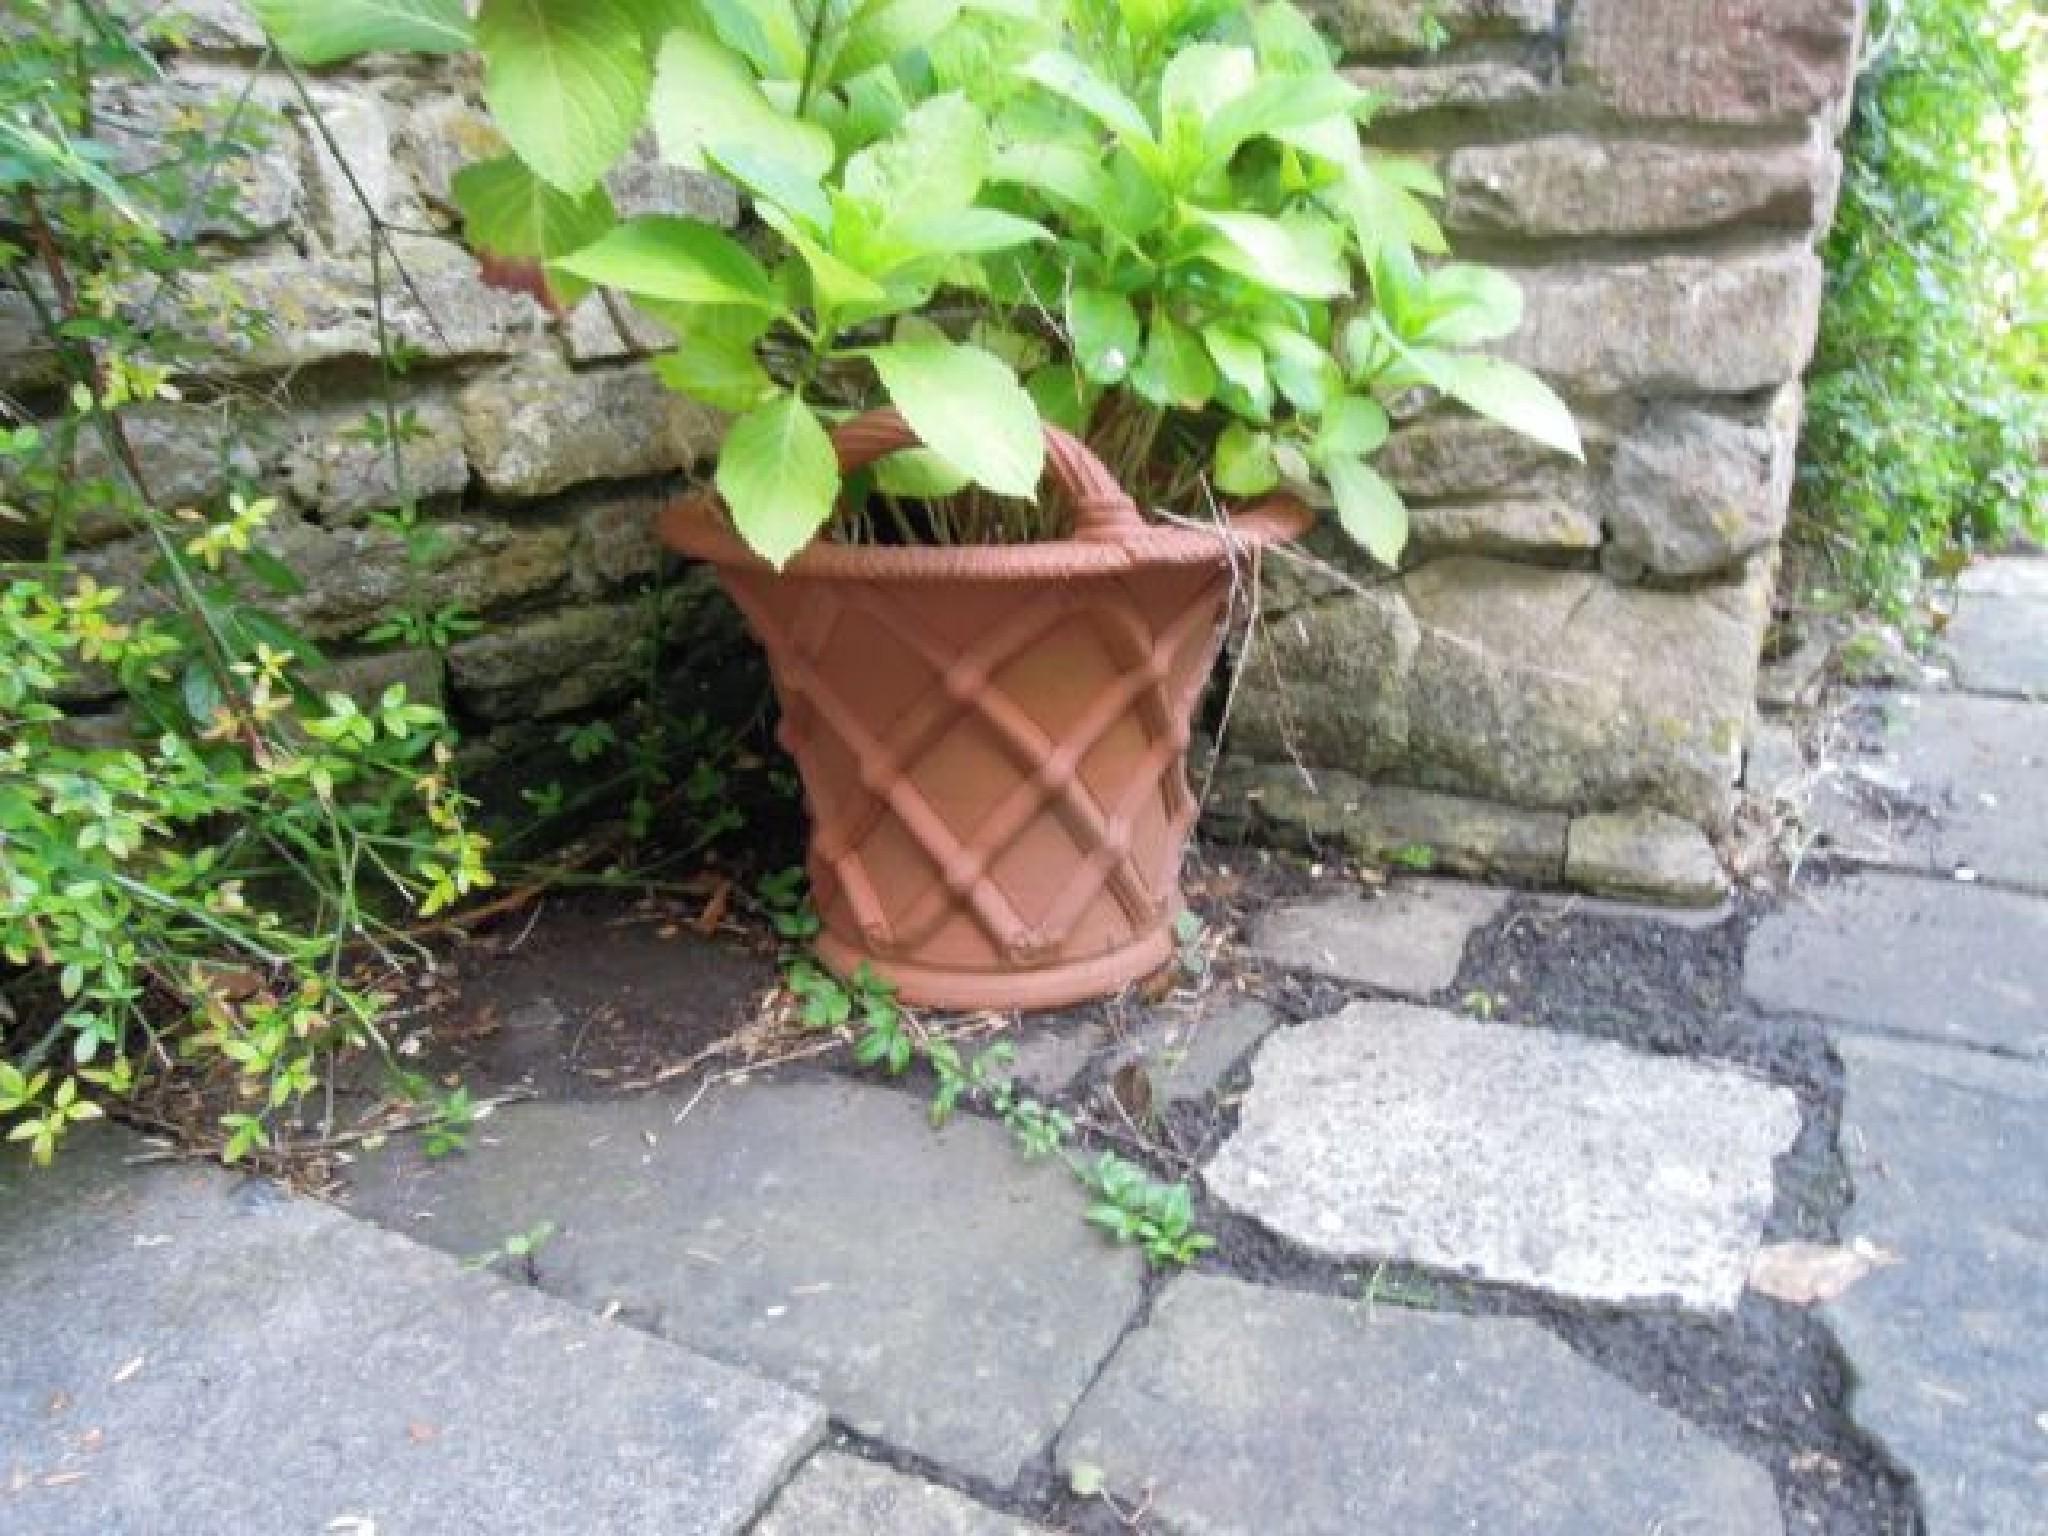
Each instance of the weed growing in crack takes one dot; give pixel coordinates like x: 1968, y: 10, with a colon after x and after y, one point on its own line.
x: 1128, y: 1203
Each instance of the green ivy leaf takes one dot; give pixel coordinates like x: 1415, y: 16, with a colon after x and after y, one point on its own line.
x: 567, y: 83
x: 327, y: 31
x: 779, y: 475
x: 507, y: 211
x: 967, y: 407
x: 1368, y: 508
x: 681, y: 260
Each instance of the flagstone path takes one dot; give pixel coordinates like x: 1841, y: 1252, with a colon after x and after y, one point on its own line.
x: 1492, y: 1174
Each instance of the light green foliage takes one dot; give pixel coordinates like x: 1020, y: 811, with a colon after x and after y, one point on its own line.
x: 1167, y: 205
x: 1927, y: 407
x: 1133, y: 1207
x: 190, y: 885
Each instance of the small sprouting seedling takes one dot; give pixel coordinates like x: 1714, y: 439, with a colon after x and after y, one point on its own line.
x: 1431, y: 31
x: 822, y: 1003
x: 1416, y: 856
x: 520, y: 1246
x: 1135, y: 1208
x: 884, y: 1041
x: 547, y: 800
x: 1187, y: 936
x: 589, y: 741
x: 1480, y: 1004
x: 782, y: 893
x: 455, y: 1116
x: 1380, y: 1287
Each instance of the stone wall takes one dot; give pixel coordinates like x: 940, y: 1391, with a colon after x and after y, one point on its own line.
x: 542, y: 446
x: 1564, y: 641
x: 1567, y: 643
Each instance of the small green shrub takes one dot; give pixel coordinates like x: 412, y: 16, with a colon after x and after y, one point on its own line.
x: 1928, y: 404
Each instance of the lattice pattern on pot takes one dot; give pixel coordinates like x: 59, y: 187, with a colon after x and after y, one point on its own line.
x: 1156, y: 675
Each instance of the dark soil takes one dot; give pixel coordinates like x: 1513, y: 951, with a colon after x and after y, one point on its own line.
x: 599, y: 993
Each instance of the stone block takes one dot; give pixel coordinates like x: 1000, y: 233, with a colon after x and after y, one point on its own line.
x: 597, y: 331
x: 205, y: 25
x: 1449, y: 456
x: 441, y: 135
x: 538, y: 426
x: 1694, y: 492
x: 1330, y: 683
x: 616, y: 542
x: 1716, y: 61
x: 1410, y: 26
x: 937, y: 1291
x: 357, y: 576
x: 341, y: 475
x: 2000, y: 645
x: 1331, y: 812
x: 1517, y: 1155
x: 2007, y: 576
x: 364, y: 678
x: 1898, y: 954
x: 27, y: 360
x: 280, y: 311
x: 1675, y: 324
x: 357, y: 121
x: 1186, y: 1057
x: 1486, y: 89
x: 642, y: 182
x: 1534, y: 528
x: 1575, y: 186
x: 1408, y: 939
x: 1243, y: 1410
x: 1559, y: 689
x: 552, y: 664
x: 839, y: 1495
x: 388, y: 1386
x: 249, y: 195
x: 1651, y: 855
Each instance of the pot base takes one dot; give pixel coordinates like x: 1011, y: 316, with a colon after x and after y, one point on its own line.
x: 1057, y: 986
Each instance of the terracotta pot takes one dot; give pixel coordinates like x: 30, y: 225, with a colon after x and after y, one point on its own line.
x: 992, y: 739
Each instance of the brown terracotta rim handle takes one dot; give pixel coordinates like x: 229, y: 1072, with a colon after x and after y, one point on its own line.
x: 1103, y: 512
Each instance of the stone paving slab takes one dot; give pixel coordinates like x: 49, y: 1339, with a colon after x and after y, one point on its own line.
x: 1188, y: 1056
x: 935, y: 1290
x: 1518, y: 1155
x: 840, y: 1495
x: 2000, y: 645
x: 189, y: 1352
x: 1409, y: 939
x: 1972, y: 776
x: 1949, y: 1153
x: 1906, y: 954
x: 2009, y: 576
x: 1247, y: 1411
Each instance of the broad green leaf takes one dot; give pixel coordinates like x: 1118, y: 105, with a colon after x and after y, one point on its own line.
x: 566, y: 81
x: 1242, y: 362
x: 1202, y: 78
x: 768, y: 33
x: 327, y: 31
x: 726, y: 376
x: 881, y: 30
x: 1287, y: 42
x: 920, y: 473
x: 778, y: 182
x: 1384, y: 212
x: 706, y: 98
x: 1175, y: 370
x: 1304, y: 371
x: 1368, y: 508
x: 508, y: 211
x: 780, y: 477
x: 1292, y: 257
x: 1244, y: 461
x: 966, y: 406
x: 1400, y: 287
x: 1465, y: 306
x: 834, y: 283
x: 968, y: 232
x: 1502, y: 392
x: 1062, y: 396
x: 1102, y: 328
x: 1064, y: 170
x: 934, y: 163
x: 1065, y: 75
x: 682, y: 260
x: 1287, y: 104
x: 1352, y: 424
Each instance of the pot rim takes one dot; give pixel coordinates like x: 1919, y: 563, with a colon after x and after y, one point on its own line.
x: 697, y: 525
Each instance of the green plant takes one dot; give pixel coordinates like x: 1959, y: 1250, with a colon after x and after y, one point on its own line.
x: 1927, y: 407
x: 1133, y: 1207
x: 521, y: 1248
x: 1154, y: 223
x: 189, y: 885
